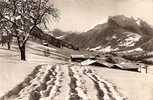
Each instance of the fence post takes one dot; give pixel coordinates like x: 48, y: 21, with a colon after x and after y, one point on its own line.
x: 146, y: 69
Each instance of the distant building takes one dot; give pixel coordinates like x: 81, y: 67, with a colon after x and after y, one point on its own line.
x: 81, y: 57
x: 128, y: 66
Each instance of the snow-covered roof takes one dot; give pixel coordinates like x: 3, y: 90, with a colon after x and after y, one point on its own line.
x: 127, y: 65
x: 77, y: 56
x: 88, y: 62
x: 105, y: 63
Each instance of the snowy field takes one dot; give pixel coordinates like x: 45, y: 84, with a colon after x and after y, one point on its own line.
x: 13, y: 71
x: 47, y: 78
x: 64, y: 81
x: 134, y: 85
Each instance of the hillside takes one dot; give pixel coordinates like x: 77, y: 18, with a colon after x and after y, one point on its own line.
x: 44, y: 78
x: 38, y: 35
x: 119, y: 33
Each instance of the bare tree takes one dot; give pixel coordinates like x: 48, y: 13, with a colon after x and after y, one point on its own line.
x: 6, y: 38
x: 5, y: 26
x: 23, y: 16
x: 6, y: 34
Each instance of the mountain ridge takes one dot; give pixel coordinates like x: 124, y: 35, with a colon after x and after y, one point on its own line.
x: 114, y: 32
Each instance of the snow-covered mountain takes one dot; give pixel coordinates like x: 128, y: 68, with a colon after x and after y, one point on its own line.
x: 125, y: 40
x: 118, y: 33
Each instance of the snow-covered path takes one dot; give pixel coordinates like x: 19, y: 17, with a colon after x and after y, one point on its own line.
x: 63, y: 81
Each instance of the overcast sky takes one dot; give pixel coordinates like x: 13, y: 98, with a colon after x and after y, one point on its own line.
x: 81, y: 15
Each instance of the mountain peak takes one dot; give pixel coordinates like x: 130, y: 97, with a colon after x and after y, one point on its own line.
x: 116, y: 33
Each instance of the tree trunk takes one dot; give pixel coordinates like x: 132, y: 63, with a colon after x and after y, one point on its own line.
x: 9, y: 46
x: 22, y: 52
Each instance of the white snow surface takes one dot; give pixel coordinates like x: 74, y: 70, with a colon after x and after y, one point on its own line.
x: 96, y: 48
x: 114, y: 37
x: 13, y: 70
x: 108, y: 49
x: 103, y: 49
x: 60, y: 37
x: 86, y: 84
x: 131, y: 39
x: 135, y: 86
x: 138, y: 21
x: 88, y: 62
x: 122, y: 85
x: 133, y: 50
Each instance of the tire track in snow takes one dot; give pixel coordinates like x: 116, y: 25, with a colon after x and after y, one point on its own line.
x: 73, y: 85
x: 109, y: 92
x: 81, y: 88
x: 48, y: 82
x: 56, y: 88
x: 64, y: 86
x: 38, y: 84
x: 55, y: 91
x: 15, y: 91
x: 51, y: 81
x: 100, y: 93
